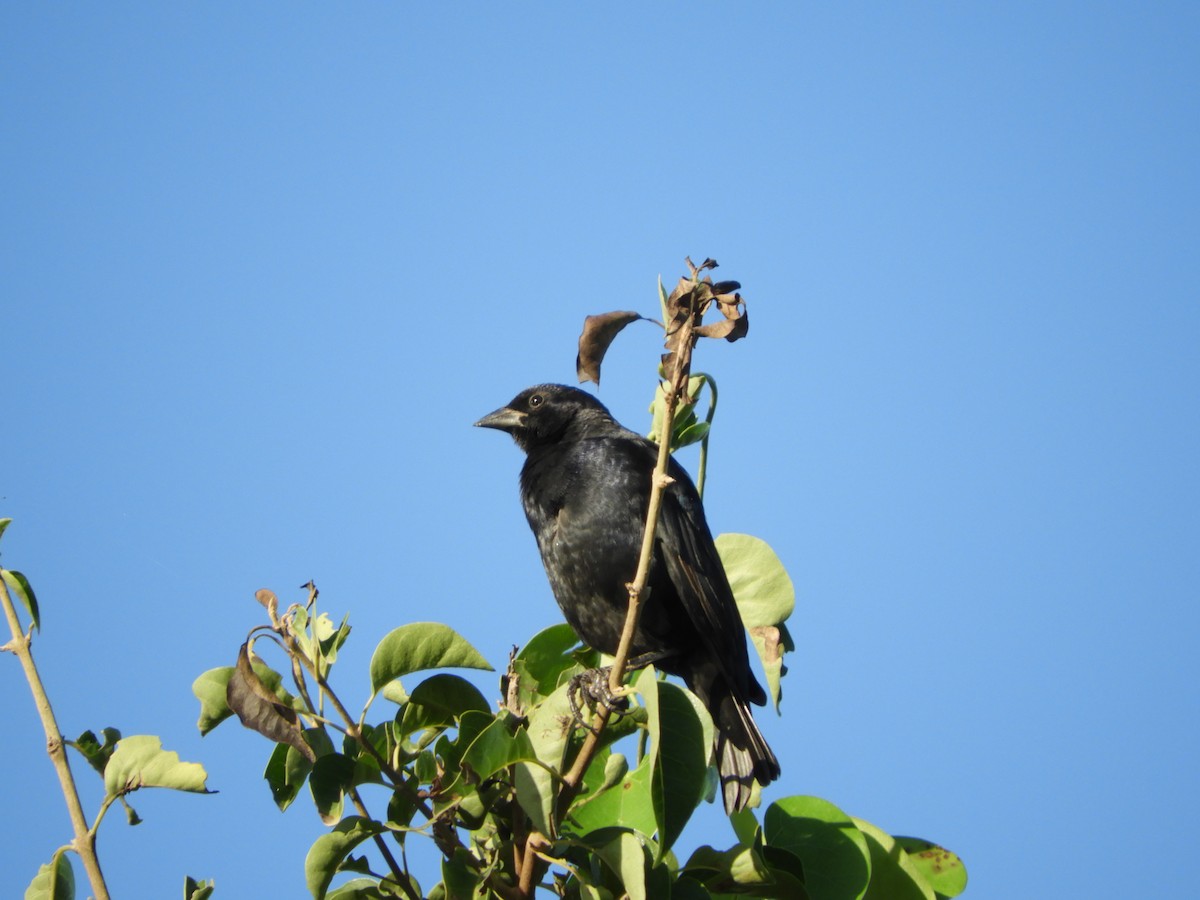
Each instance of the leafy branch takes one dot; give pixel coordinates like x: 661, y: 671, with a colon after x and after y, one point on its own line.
x: 126, y: 765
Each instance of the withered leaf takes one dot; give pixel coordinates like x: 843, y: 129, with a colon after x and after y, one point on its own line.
x: 598, y: 333
x: 721, y: 329
x: 260, y: 710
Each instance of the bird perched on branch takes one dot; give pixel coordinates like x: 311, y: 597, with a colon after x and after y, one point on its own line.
x: 586, y: 487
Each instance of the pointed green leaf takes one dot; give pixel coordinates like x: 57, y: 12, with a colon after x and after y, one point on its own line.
x: 55, y: 880
x: 626, y: 856
x: 549, y: 730
x: 628, y: 804
x: 681, y: 739
x: 197, y: 890
x: 420, y: 646
x: 4, y: 523
x: 771, y: 642
x: 210, y: 688
x: 17, y: 584
x: 332, y: 775
x: 286, y: 772
x: 332, y: 642
x: 498, y: 747
x: 328, y: 851
x: 745, y: 826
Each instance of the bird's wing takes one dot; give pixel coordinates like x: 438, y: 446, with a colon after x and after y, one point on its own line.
x: 699, y: 577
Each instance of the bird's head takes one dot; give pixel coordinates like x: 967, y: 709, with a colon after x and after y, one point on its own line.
x: 545, y: 414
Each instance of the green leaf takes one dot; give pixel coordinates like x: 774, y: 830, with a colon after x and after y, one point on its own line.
x: 210, y: 688
x: 332, y: 775
x: 331, y: 643
x: 746, y: 867
x: 942, y: 870
x: 765, y: 597
x: 628, y: 804
x: 615, y: 768
x: 93, y: 751
x: 496, y: 748
x: 394, y: 691
x: 893, y: 875
x: 420, y: 646
x: 197, y: 890
x: 761, y: 585
x: 549, y: 730
x: 285, y: 773
x: 462, y: 880
x: 626, y: 856
x: 328, y: 851
x: 746, y: 827
x: 470, y: 726
x: 681, y: 736
x: 740, y: 870
x: 4, y: 523
x: 140, y: 762
x: 359, y: 889
x: 834, y: 853
x: 685, y: 429
x: 451, y: 695
x: 693, y: 433
x: 544, y: 662
x: 19, y: 585
x: 55, y: 880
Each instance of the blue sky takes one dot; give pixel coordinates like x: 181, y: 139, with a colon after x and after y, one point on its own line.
x: 262, y: 268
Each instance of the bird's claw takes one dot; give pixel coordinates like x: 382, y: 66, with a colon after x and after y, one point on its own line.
x: 593, y: 687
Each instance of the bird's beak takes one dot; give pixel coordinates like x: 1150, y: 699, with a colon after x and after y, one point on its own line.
x: 503, y: 419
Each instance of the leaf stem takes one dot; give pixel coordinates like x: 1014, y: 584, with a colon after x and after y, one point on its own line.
x: 702, y: 468
x: 85, y: 841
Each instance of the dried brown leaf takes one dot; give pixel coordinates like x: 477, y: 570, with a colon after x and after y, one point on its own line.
x: 598, y: 333
x: 260, y: 710
x: 721, y: 329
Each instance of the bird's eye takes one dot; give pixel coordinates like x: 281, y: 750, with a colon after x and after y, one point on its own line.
x: 535, y: 401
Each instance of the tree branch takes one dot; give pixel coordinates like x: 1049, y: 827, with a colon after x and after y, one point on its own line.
x: 84, y: 843
x: 638, y: 589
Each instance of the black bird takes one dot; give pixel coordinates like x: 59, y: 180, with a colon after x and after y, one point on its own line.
x: 585, y: 487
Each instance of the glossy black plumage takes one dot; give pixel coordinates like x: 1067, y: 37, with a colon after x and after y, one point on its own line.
x: 585, y: 487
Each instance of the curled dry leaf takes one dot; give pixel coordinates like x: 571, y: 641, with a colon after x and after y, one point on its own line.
x: 598, y: 333
x: 260, y: 710
x: 683, y: 316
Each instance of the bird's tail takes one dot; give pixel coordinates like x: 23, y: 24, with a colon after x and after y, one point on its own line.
x: 742, y: 754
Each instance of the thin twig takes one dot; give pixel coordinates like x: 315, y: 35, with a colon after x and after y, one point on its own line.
x: 702, y: 467
x: 84, y: 843
x: 401, y: 872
